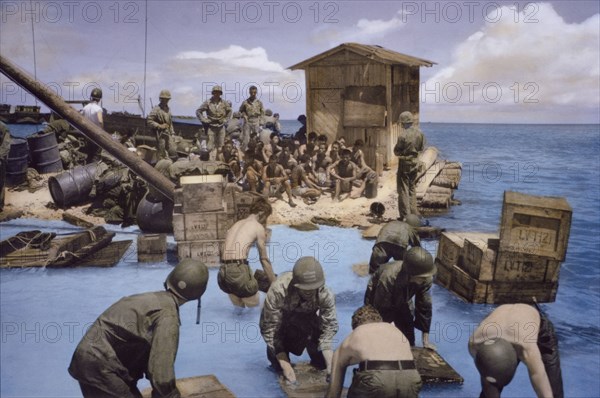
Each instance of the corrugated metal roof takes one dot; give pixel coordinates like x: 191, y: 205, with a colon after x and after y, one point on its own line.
x: 374, y: 52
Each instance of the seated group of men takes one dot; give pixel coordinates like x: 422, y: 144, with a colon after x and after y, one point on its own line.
x: 271, y: 166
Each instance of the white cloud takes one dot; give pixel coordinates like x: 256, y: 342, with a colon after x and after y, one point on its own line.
x: 236, y: 56
x: 539, y: 67
x: 365, y: 31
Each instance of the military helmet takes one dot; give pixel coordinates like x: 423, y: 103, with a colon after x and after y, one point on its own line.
x: 496, y: 360
x: 96, y: 94
x: 419, y: 262
x: 307, y: 274
x: 165, y: 94
x: 413, y: 220
x: 217, y: 89
x: 188, y: 279
x: 268, y: 112
x: 406, y: 117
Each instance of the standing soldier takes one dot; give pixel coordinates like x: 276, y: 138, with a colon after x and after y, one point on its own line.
x: 160, y: 122
x: 514, y: 333
x: 410, y: 143
x: 4, y: 150
x: 138, y: 335
x: 215, y: 112
x: 252, y: 111
x: 93, y: 112
x: 298, y: 314
x: 392, y: 288
x: 393, y: 240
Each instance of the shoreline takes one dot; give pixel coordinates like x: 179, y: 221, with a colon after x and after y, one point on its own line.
x: 349, y: 213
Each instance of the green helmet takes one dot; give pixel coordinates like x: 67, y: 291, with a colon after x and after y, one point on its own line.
x: 496, y: 360
x: 419, y: 262
x: 217, y: 89
x: 188, y: 279
x: 165, y: 94
x: 406, y: 117
x: 307, y: 274
x: 413, y: 220
x: 96, y: 94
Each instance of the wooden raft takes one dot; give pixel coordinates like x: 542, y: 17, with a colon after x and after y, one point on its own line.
x: 311, y: 381
x: 207, y: 386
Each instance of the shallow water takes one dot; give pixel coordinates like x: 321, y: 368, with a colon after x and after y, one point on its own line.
x: 44, y: 312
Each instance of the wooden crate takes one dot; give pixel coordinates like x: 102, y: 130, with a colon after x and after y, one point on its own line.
x: 478, y: 260
x: 521, y: 292
x: 535, y: 225
x: 202, y: 226
x: 152, y: 244
x: 468, y: 288
x: 450, y: 248
x: 202, y: 193
x: 511, y: 266
x: 444, y: 274
x: 207, y: 251
x: 243, y: 201
x: 229, y: 193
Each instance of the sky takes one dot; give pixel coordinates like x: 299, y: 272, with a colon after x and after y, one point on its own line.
x: 495, y: 62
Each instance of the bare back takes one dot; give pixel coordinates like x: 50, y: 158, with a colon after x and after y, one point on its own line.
x: 518, y: 324
x: 241, y: 236
x: 380, y: 341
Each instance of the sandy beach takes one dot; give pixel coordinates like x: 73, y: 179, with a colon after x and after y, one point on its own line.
x: 349, y: 212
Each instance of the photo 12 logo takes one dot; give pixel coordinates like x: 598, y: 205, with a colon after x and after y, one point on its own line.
x: 71, y: 11
x: 269, y: 11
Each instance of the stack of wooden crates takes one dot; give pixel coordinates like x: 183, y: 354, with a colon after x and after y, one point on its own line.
x: 521, y: 264
x: 205, y: 208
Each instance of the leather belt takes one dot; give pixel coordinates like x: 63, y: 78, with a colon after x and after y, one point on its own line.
x: 234, y: 262
x: 386, y: 365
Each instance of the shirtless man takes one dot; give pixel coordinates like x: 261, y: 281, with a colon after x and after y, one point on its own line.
x: 386, y: 364
x: 513, y: 333
x: 274, y: 174
x: 344, y: 173
x: 235, y: 277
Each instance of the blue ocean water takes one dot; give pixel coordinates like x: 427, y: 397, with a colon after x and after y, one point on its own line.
x: 44, y: 312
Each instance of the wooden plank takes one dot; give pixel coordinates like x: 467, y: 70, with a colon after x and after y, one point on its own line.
x: 311, y: 382
x: 511, y: 266
x: 521, y: 292
x: 433, y: 368
x: 198, y: 387
x: 106, y: 257
x: 443, y: 277
x: 535, y: 225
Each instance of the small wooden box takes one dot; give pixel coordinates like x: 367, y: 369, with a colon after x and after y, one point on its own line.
x: 511, y: 266
x: 207, y: 251
x: 536, y: 225
x: 202, y: 193
x: 468, y: 288
x: 243, y: 201
x: 151, y: 247
x: 202, y: 226
x: 478, y: 259
x: 521, y: 292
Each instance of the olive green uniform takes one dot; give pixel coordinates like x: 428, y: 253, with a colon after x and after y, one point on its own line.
x: 410, y: 142
x: 215, y: 114
x: 392, y: 241
x: 158, y: 117
x: 288, y: 323
x: 135, y: 336
x: 385, y: 384
x: 391, y: 292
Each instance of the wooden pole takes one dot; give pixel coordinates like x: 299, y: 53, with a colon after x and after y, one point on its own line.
x: 89, y: 129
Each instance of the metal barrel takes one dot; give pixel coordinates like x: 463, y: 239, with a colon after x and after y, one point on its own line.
x: 72, y: 187
x: 17, y: 162
x: 155, y: 217
x: 44, y: 153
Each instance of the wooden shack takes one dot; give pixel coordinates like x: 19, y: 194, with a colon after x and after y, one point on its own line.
x: 358, y: 91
